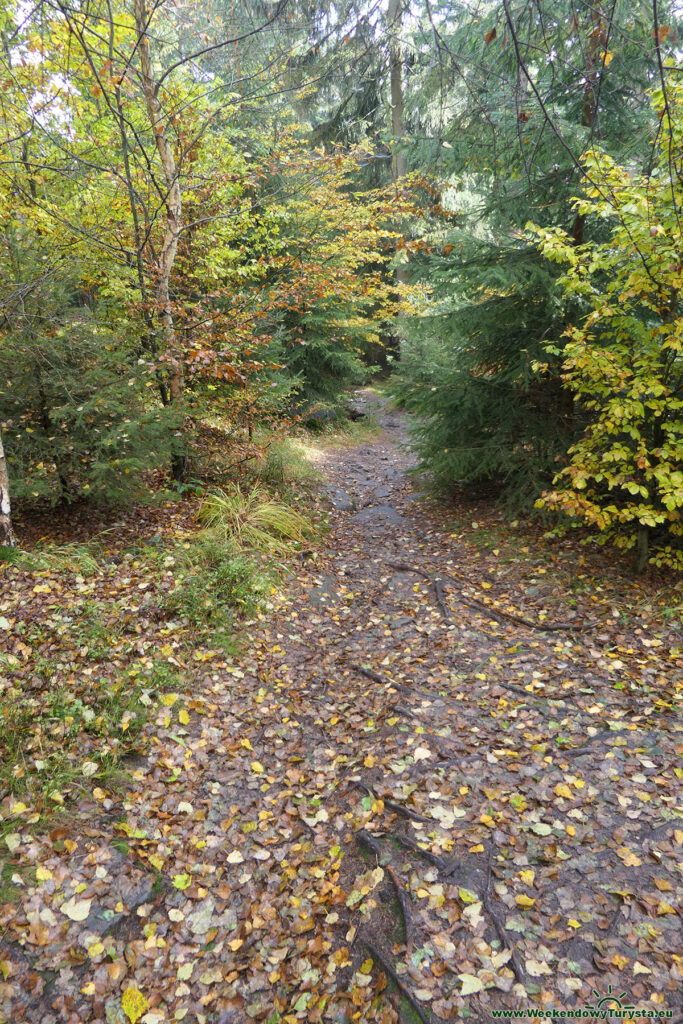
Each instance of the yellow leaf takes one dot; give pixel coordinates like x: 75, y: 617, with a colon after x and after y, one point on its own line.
x: 183, y: 716
x: 607, y: 57
x: 370, y: 761
x: 470, y: 984
x: 43, y: 874
x: 467, y: 896
x: 134, y: 1004
x: 257, y: 767
x: 235, y: 944
x: 629, y: 858
x: 639, y: 968
x: 562, y: 789
x: 524, y: 901
x: 571, y: 831
x: 366, y: 966
x: 665, y: 908
x: 573, y: 923
x: 477, y: 849
x: 246, y: 744
x: 528, y: 876
x: 169, y: 700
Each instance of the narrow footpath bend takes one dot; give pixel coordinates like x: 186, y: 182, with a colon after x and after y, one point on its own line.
x: 398, y: 806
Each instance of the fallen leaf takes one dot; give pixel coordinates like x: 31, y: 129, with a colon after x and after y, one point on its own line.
x: 76, y: 910
x: 470, y: 984
x: 134, y: 1004
x: 629, y: 858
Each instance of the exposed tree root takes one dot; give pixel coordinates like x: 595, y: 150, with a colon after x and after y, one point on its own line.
x: 384, y: 963
x: 496, y: 613
x: 401, y: 809
x: 448, y: 868
x: 367, y: 841
x: 377, y: 678
x: 404, y: 903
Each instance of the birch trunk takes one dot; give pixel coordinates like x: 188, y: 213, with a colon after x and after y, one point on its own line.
x: 173, y: 218
x: 7, y: 538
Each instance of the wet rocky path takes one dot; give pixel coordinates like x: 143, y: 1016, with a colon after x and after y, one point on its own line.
x: 402, y: 803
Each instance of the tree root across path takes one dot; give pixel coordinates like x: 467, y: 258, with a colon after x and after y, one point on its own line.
x: 383, y: 960
x: 404, y: 903
x: 447, y: 869
x: 473, y: 602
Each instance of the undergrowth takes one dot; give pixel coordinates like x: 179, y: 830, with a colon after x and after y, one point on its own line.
x: 91, y: 634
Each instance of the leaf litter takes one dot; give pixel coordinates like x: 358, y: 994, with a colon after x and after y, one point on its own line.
x: 395, y: 805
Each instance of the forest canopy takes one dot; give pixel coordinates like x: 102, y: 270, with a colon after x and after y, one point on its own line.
x: 232, y: 212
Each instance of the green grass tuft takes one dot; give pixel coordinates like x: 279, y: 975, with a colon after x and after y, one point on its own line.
x: 253, y: 520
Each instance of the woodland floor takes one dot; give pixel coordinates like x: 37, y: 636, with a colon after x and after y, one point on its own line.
x: 408, y: 798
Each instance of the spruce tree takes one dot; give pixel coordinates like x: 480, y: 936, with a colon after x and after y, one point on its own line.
x: 506, y: 111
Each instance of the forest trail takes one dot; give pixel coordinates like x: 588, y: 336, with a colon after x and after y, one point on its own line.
x: 392, y: 780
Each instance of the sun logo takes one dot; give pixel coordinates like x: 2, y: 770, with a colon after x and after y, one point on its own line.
x: 611, y: 998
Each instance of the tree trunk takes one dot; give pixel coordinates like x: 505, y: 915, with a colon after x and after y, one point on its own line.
x: 642, y: 548
x: 589, y: 114
x: 7, y: 538
x: 398, y: 161
x: 173, y: 221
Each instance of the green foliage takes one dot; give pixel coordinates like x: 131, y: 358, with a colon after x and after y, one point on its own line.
x: 112, y: 710
x: 484, y: 415
x: 285, y: 463
x: 79, y: 558
x: 218, y: 581
x: 77, y: 417
x: 623, y: 362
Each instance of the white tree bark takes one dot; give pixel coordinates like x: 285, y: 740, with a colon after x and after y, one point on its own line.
x: 7, y: 538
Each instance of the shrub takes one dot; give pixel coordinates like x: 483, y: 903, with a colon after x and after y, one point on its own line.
x: 77, y: 416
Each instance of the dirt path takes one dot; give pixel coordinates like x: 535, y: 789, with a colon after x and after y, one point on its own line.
x: 392, y: 782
